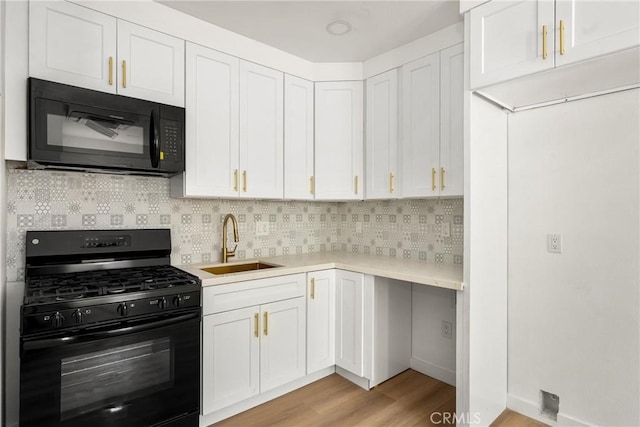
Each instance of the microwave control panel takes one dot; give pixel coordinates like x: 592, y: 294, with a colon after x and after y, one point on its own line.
x: 171, y: 141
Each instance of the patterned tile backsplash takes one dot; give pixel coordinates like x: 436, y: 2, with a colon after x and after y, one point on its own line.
x: 429, y: 230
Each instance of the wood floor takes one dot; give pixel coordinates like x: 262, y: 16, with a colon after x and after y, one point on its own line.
x: 409, y: 399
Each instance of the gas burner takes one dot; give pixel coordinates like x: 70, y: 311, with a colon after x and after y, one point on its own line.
x: 75, y: 286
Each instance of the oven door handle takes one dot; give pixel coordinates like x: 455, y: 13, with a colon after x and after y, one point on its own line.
x: 38, y: 344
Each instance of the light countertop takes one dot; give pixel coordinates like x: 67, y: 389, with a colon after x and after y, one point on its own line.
x: 441, y: 275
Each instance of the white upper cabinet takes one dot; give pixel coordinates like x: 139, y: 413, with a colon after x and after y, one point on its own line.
x: 432, y: 125
x: 261, y: 131
x: 72, y: 44
x: 77, y: 46
x: 382, y: 136
x: 421, y: 127
x: 150, y: 64
x: 211, y: 129
x: 510, y: 39
x: 592, y: 28
x: 451, y: 177
x: 338, y: 142
x: 298, y: 138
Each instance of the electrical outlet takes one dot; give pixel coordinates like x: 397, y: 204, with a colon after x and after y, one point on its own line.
x: 554, y: 243
x: 262, y: 228
x: 446, y: 229
x: 447, y: 329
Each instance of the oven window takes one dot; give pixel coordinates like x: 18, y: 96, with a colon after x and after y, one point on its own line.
x: 91, y: 380
x: 82, y: 130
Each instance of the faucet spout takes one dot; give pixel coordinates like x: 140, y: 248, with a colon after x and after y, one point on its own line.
x: 226, y: 253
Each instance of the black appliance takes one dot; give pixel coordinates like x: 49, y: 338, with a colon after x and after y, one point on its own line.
x: 83, y: 129
x: 110, y: 332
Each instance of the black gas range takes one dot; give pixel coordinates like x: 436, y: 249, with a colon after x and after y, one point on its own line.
x: 110, y: 330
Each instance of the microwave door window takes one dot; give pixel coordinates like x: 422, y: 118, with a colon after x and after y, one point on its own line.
x: 85, y: 132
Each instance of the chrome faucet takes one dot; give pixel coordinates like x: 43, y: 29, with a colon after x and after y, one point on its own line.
x: 226, y: 253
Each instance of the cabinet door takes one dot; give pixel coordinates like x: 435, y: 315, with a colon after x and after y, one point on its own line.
x: 298, y: 138
x: 321, y: 320
x: 382, y: 136
x: 230, y: 358
x: 72, y: 44
x: 349, y: 324
x: 421, y: 126
x: 261, y: 131
x: 150, y: 64
x: 451, y: 178
x: 339, y: 143
x: 595, y: 28
x: 212, y: 149
x: 507, y: 40
x: 283, y: 349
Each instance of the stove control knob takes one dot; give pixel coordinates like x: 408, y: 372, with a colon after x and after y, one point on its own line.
x: 162, y: 303
x: 78, y: 316
x: 178, y: 301
x: 57, y: 320
x: 123, y: 309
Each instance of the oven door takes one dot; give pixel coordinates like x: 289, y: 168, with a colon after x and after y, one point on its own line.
x: 138, y: 373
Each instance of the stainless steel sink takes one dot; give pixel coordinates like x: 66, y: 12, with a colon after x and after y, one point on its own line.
x: 239, y: 268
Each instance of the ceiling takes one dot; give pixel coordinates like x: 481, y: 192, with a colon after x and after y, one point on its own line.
x: 299, y: 27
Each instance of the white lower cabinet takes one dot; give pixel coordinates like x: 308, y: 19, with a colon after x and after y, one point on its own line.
x: 349, y: 321
x: 264, y: 335
x: 254, y: 336
x: 321, y: 320
x: 282, y: 343
x: 231, y: 358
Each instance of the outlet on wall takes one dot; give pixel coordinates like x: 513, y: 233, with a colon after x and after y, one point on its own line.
x: 262, y: 228
x: 446, y: 229
x: 447, y: 329
x: 554, y: 243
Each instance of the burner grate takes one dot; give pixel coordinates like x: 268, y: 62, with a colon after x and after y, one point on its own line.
x: 73, y: 286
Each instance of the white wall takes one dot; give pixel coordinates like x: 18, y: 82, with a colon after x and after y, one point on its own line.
x: 574, y: 323
x: 431, y: 353
x: 3, y: 222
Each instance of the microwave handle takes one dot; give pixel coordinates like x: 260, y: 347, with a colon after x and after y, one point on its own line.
x: 154, y: 150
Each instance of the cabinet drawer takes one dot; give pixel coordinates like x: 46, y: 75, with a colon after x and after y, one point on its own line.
x: 252, y: 292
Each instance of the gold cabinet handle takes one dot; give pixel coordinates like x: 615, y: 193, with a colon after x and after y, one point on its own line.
x: 266, y: 323
x: 433, y: 179
x: 562, y: 51
x: 313, y: 288
x: 312, y: 185
x: 442, y: 178
x: 111, y: 71
x: 544, y: 42
x: 235, y: 180
x: 124, y: 73
x: 244, y: 181
x: 391, y: 182
x: 356, y: 184
x: 256, y: 319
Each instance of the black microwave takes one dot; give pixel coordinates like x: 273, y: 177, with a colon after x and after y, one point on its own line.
x: 83, y: 129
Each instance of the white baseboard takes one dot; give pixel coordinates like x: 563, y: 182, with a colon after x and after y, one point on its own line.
x: 434, y: 371
x: 532, y: 410
x: 359, y: 381
x: 214, y: 417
